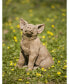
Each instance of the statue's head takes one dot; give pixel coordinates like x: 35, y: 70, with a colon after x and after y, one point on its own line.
x: 30, y: 30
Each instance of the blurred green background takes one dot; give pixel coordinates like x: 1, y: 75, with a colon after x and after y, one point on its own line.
x: 52, y: 13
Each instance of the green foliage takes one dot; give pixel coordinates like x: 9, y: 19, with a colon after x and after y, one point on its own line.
x: 53, y: 15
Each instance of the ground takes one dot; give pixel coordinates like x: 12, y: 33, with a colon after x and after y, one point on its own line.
x: 50, y: 13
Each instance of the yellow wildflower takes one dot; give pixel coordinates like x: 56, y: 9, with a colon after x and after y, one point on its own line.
x: 63, y: 20
x: 27, y: 73
x: 53, y: 50
x: 48, y: 67
x: 65, y: 76
x: 3, y: 74
x: 11, y: 27
x: 43, y: 37
x: 8, y: 47
x: 65, y: 66
x: 63, y: 14
x: 58, y: 61
x: 48, y: 75
x: 38, y: 74
x: 27, y: 82
x: 52, y: 20
x: 43, y: 69
x: 16, y: 18
x: 53, y: 58
x: 31, y: 15
x: 21, y: 33
x: 43, y: 43
x: 48, y: 32
x: 15, y: 40
x: 30, y: 10
x: 46, y: 81
x: 18, y: 26
x: 11, y: 63
x: 47, y: 19
x: 17, y: 59
x: 52, y: 26
x: 13, y: 30
x: 9, y: 24
x: 3, y: 44
x: 58, y: 73
x: 12, y: 69
x: 14, y: 64
x: 55, y: 16
x: 52, y: 6
x: 20, y: 79
x: 15, y: 37
x: 52, y: 66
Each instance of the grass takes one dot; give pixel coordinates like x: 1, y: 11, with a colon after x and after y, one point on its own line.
x: 53, y: 15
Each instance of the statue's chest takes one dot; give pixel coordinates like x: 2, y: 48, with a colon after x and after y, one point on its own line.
x: 26, y: 44
x: 26, y: 47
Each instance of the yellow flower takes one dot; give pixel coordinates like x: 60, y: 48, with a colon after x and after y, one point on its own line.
x: 63, y: 14
x: 27, y: 73
x: 52, y: 20
x: 11, y: 27
x: 65, y: 60
x: 14, y: 64
x: 9, y: 24
x: 11, y: 63
x: 8, y: 47
x: 48, y: 75
x: 53, y: 58
x: 27, y: 82
x: 65, y: 76
x: 16, y: 18
x: 30, y: 10
x: 12, y: 69
x: 15, y: 37
x: 15, y: 40
x: 53, y: 50
x: 13, y: 30
x: 20, y: 79
x: 55, y: 16
x: 63, y: 48
x: 47, y: 19
x: 48, y: 67
x: 17, y: 59
x: 31, y: 15
x: 48, y: 32
x: 43, y: 69
x: 65, y: 66
x: 63, y: 20
x: 21, y: 33
x: 52, y: 6
x: 43, y: 37
x: 38, y: 74
x: 18, y: 26
x: 58, y: 61
x: 52, y: 26
x: 46, y: 81
x: 3, y: 44
x: 52, y: 66
x: 43, y: 43
x: 58, y: 73
x: 3, y: 74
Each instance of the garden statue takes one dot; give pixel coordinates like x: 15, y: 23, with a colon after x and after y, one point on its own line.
x: 33, y: 53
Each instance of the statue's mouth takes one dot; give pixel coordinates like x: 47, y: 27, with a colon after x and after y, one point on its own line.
x: 29, y: 35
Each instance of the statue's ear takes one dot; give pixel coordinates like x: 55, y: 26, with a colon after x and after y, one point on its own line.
x: 22, y: 23
x: 40, y: 28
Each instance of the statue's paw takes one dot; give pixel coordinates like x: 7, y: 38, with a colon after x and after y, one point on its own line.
x: 19, y: 66
x: 25, y: 66
x: 36, y: 67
